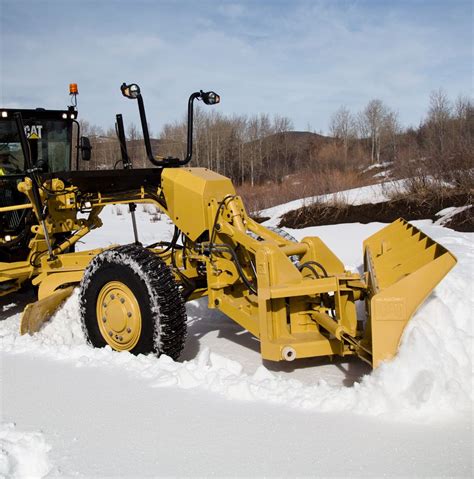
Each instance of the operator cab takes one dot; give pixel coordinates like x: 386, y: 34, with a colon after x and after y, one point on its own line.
x: 49, y: 134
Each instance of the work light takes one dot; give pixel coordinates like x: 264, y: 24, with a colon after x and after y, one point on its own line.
x: 210, y: 97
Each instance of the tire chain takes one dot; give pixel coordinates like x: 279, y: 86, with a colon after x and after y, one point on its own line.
x: 160, y: 281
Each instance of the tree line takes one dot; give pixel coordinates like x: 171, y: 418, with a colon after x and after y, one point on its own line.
x: 444, y: 137
x: 257, y: 149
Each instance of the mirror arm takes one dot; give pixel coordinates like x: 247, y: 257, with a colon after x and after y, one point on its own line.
x: 169, y: 161
x: 189, y: 147
x: 146, y: 134
x: 146, y: 138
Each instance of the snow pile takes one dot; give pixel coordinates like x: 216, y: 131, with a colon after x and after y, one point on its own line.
x: 23, y: 454
x: 431, y: 375
x: 449, y: 213
x: 357, y: 196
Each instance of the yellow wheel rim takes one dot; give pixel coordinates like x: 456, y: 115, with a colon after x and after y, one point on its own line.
x: 119, y: 316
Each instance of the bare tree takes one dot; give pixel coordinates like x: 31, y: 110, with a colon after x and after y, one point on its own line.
x: 342, y: 126
x: 87, y: 129
x: 372, y: 118
x: 438, y: 122
x: 464, y: 116
x: 282, y: 124
x: 133, y: 133
x: 389, y: 135
x: 377, y: 123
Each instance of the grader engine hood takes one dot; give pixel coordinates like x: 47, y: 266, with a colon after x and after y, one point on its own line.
x: 403, y: 266
x: 188, y: 192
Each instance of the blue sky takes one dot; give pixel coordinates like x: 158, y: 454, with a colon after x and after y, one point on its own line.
x: 301, y: 59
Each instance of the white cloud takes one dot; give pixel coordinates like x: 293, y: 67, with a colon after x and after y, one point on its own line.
x: 301, y: 59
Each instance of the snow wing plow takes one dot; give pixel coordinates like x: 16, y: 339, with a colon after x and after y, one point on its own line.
x: 295, y: 297
x: 403, y: 266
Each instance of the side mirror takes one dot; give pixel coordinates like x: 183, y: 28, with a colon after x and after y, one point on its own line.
x: 210, y: 97
x: 86, y: 148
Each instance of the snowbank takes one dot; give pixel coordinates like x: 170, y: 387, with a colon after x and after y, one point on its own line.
x: 23, y: 454
x: 449, y: 213
x: 431, y: 376
x: 357, y: 196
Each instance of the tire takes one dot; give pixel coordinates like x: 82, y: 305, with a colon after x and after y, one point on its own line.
x: 281, y: 232
x: 130, y: 301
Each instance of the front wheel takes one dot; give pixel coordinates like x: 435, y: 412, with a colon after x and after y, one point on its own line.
x: 130, y: 301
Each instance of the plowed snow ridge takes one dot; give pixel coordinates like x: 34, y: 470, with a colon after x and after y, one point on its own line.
x: 432, y: 374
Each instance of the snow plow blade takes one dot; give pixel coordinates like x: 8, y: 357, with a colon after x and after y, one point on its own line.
x: 403, y: 266
x: 35, y: 314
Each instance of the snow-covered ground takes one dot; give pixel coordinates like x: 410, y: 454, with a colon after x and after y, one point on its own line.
x: 72, y: 411
x: 376, y: 193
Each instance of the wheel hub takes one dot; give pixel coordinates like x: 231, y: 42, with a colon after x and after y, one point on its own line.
x: 119, y: 316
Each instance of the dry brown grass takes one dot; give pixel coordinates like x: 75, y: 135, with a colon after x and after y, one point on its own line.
x: 296, y: 186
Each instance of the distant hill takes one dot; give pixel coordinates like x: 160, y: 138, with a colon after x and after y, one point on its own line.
x: 295, y: 144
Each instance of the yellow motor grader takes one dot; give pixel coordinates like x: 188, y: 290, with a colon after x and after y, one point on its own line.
x: 295, y: 297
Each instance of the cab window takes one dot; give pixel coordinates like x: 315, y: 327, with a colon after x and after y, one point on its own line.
x: 49, y: 141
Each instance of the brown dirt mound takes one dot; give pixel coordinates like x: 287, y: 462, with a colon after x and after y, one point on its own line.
x: 409, y: 208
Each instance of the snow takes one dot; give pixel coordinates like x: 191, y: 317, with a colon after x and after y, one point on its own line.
x: 117, y: 228
x: 447, y: 213
x: 221, y: 411
x: 383, y: 164
x: 104, y: 423
x: 23, y: 454
x: 377, y: 193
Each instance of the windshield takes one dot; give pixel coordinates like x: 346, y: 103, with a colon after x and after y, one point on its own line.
x: 50, y: 146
